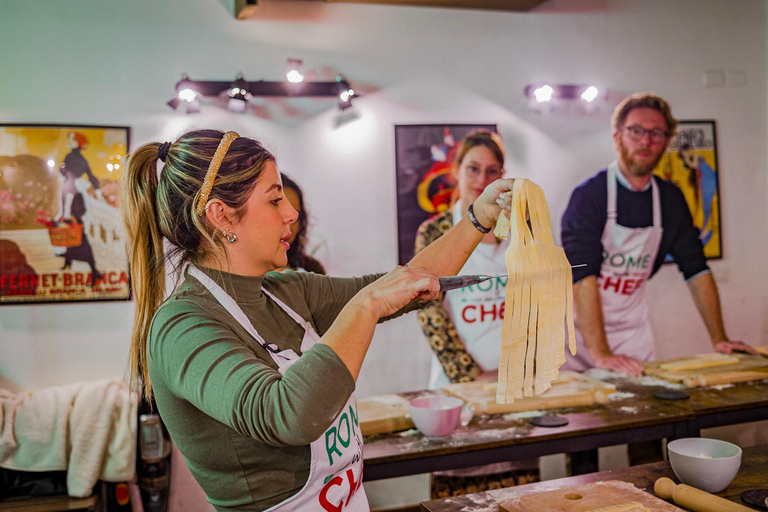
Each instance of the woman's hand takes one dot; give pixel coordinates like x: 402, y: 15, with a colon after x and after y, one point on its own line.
x: 495, y: 197
x: 392, y: 291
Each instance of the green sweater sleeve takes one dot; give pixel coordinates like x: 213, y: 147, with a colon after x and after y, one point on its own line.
x: 327, y: 296
x: 202, y: 360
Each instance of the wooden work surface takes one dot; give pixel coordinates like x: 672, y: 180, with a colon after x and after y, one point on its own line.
x: 382, y: 414
x: 709, y: 406
x: 631, y: 414
x: 499, y: 430
x: 745, y: 368
x: 568, y: 390
x: 751, y: 475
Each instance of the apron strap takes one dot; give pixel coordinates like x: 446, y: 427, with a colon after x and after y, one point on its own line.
x: 656, y: 203
x: 232, y: 307
x: 294, y: 315
x: 613, y: 168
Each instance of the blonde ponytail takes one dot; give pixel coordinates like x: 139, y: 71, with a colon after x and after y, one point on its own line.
x: 145, y: 253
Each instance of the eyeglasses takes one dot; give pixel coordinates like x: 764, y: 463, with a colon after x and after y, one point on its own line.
x: 493, y: 173
x: 637, y: 133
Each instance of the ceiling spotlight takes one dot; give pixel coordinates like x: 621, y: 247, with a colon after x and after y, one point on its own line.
x: 543, y: 94
x: 346, y: 93
x: 238, y: 95
x: 590, y: 94
x: 293, y: 73
x: 186, y: 95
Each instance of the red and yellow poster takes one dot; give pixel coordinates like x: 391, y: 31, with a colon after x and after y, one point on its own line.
x: 61, y: 238
x: 423, y: 161
x: 691, y: 164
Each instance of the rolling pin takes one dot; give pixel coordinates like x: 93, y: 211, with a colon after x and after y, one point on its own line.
x: 715, y: 379
x: 695, y: 499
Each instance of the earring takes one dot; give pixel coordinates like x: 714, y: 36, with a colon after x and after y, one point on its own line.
x: 231, y: 237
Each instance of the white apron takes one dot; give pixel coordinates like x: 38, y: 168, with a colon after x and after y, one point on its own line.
x: 628, y: 257
x: 336, y: 465
x: 477, y: 311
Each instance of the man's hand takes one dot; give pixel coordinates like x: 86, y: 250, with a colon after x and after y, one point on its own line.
x: 621, y: 364
x: 728, y: 347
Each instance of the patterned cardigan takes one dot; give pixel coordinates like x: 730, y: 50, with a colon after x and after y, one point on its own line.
x: 435, y: 321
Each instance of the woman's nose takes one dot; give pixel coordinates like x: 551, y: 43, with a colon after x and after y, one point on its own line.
x: 292, y: 215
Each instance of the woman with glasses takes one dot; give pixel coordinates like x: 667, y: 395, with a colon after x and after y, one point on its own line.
x: 463, y: 327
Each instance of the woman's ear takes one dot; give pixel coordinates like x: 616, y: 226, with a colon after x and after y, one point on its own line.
x: 219, y: 215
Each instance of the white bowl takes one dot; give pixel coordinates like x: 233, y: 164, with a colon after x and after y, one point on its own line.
x: 707, y: 464
x: 436, y: 416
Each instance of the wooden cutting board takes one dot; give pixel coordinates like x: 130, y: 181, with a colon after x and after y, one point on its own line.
x: 748, y: 367
x: 570, y: 389
x: 382, y: 414
x: 606, y: 496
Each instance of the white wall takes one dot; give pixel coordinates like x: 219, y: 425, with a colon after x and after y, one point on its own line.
x: 116, y: 62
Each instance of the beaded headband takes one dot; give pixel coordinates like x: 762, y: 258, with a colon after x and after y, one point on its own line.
x: 213, y: 169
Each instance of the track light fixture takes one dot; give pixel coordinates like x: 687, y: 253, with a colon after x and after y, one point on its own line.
x: 564, y: 97
x: 545, y: 93
x: 240, y: 92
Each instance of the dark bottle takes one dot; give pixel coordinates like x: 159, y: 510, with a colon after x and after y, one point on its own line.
x: 153, y: 459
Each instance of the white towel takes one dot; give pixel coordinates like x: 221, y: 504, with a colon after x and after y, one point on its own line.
x: 86, y: 428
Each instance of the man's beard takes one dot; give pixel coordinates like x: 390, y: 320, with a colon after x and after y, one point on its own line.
x: 631, y: 167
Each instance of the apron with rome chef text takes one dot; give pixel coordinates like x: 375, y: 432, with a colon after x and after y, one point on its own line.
x: 628, y: 257
x: 336, y: 465
x: 477, y: 311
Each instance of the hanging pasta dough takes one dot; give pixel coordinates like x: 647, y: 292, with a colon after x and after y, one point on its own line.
x: 539, y: 302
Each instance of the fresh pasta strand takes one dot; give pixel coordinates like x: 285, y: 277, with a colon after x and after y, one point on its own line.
x: 539, y: 308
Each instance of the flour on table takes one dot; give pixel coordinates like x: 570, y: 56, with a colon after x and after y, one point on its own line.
x: 620, y: 395
x: 646, y: 380
x: 522, y: 415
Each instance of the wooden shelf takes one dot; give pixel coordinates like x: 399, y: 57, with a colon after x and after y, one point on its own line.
x: 48, y: 504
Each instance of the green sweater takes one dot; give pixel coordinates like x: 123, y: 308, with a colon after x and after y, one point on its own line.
x: 243, y: 429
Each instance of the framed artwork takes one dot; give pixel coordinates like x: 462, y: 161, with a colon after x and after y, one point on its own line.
x: 691, y: 164
x: 423, y: 159
x: 61, y: 237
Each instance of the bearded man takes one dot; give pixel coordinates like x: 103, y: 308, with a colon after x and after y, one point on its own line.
x: 621, y: 223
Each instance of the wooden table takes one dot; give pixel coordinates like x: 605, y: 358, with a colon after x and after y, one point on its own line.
x: 752, y: 474
x: 639, y: 417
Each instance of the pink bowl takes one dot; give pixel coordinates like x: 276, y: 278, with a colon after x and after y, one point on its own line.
x: 436, y: 416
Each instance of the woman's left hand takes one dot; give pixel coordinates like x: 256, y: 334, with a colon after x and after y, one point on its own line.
x: 495, y: 197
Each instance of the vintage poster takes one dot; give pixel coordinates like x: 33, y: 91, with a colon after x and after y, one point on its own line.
x: 423, y: 160
x: 691, y: 164
x: 61, y: 237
